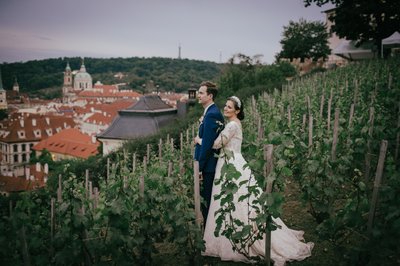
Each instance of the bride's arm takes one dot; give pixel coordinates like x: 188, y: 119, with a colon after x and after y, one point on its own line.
x: 225, y: 136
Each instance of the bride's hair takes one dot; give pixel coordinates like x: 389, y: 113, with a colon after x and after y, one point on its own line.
x: 238, y: 104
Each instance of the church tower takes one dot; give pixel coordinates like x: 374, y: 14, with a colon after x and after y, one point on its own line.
x: 16, y: 85
x: 68, y: 76
x: 3, y: 96
x: 67, y: 86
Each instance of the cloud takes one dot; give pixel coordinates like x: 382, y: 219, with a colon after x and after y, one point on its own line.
x: 42, y: 37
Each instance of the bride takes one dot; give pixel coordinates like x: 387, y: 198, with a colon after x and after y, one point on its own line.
x: 286, y: 244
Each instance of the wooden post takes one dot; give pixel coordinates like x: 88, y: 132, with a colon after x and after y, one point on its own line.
x: 160, y: 151
x: 59, y: 190
x: 289, y: 116
x: 199, y: 217
x: 335, y: 134
x: 396, y: 152
x: 260, y: 131
x: 321, y: 108
x: 10, y: 205
x: 328, y: 120
x: 303, y: 125
x: 310, y: 131
x: 141, y: 179
x: 268, y: 167
x: 134, y: 163
x: 90, y: 189
x: 52, y: 201
x: 368, y: 153
x: 308, y: 104
x: 377, y: 184
x: 169, y: 168
x: 108, y: 168
x: 148, y: 151
x: 96, y: 197
x: 24, y: 247
x: 87, y: 183
x: 351, y: 115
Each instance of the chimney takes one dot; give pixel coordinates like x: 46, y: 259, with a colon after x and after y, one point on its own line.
x: 21, y: 121
x: 94, y: 139
x: 38, y: 167
x: 34, y: 122
x: 47, y: 120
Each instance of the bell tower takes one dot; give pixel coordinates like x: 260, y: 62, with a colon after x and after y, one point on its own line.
x: 3, y: 96
x: 67, y: 85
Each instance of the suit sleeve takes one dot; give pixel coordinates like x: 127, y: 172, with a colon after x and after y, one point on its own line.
x: 209, y: 135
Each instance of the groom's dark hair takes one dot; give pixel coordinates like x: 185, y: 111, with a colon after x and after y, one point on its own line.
x: 211, y: 88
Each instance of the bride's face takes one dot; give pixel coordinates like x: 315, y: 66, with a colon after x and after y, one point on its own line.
x: 229, y: 110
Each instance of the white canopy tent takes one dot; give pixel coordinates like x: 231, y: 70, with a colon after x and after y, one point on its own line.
x: 348, y: 50
x: 391, y: 41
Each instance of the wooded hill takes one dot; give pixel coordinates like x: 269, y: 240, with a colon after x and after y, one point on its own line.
x: 169, y: 74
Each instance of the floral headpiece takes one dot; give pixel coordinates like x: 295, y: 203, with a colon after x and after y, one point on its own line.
x: 237, y: 101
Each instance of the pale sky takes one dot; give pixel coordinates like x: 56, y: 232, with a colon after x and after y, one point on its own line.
x: 210, y: 30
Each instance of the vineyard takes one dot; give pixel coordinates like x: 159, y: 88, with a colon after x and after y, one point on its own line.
x: 335, y: 135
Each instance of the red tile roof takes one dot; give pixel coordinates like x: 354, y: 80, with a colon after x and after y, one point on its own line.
x: 69, y: 142
x: 17, y: 184
x: 32, y: 127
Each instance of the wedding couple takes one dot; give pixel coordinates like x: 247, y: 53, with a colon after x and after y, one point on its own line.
x: 286, y: 244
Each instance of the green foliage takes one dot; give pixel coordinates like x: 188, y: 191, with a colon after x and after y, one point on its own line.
x: 374, y: 20
x: 177, y: 75
x: 304, y: 39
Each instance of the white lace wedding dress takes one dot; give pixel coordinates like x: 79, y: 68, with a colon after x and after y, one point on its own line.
x: 286, y: 244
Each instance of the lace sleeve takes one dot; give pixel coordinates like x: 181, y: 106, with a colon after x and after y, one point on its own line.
x: 225, y: 136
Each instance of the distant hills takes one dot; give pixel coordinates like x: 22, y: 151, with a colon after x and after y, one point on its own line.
x: 141, y: 74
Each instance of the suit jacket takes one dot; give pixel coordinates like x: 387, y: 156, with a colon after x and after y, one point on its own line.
x: 209, y: 130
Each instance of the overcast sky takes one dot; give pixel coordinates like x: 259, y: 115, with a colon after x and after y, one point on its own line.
x: 211, y: 30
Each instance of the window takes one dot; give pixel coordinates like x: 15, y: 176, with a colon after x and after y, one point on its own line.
x: 15, y: 148
x: 24, y: 157
x: 16, y: 158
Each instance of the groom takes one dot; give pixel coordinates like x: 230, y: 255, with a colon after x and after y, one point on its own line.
x: 210, y: 126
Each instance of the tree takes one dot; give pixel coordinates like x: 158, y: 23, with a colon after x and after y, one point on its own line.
x: 304, y: 39
x: 363, y: 20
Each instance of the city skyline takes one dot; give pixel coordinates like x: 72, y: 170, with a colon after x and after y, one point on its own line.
x: 199, y: 30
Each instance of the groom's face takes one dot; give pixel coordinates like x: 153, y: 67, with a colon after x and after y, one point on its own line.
x: 203, y: 97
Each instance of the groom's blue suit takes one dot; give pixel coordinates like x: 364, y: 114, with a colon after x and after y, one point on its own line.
x: 209, y: 129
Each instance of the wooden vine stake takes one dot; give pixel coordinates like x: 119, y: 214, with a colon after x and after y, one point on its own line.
x: 321, y: 108
x: 268, y: 167
x: 59, y: 190
x: 335, y: 134
x: 134, y: 162
x: 289, y: 114
x: 368, y: 153
x: 377, y: 184
x: 328, y: 122
x: 396, y: 152
x: 351, y: 115
x: 52, y: 202
x: 148, y: 151
x: 310, y: 131
x: 141, y: 179
x: 108, y: 168
x: 96, y: 197
x: 160, y: 151
x: 24, y: 246
x: 87, y: 183
x: 199, y: 217
x: 169, y: 168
